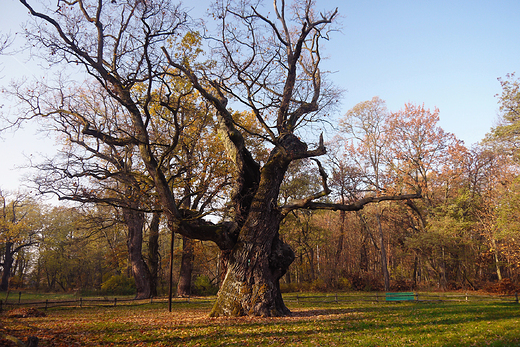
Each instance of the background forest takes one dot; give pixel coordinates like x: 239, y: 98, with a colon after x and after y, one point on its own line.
x: 462, y: 234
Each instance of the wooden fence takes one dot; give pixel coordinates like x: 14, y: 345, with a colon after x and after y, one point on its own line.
x: 383, y: 297
x: 82, y: 302
x: 292, y: 297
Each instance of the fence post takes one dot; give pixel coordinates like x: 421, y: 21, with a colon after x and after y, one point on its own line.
x: 46, y: 304
x: 336, y: 298
x: 516, y: 298
x: 115, y: 302
x: 80, y: 302
x: 19, y: 297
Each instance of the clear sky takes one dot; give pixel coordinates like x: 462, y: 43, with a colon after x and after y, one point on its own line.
x: 445, y: 54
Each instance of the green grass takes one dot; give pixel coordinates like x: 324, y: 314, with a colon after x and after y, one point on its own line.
x: 14, y: 296
x: 355, y: 323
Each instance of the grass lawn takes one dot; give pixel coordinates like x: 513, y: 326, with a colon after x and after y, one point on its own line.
x: 360, y: 323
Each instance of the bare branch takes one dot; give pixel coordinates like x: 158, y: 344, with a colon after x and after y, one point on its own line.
x: 356, y: 206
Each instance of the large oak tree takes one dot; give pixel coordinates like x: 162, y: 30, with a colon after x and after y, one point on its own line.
x: 267, y: 65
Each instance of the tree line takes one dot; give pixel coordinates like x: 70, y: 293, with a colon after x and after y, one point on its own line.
x: 461, y: 235
x: 207, y: 134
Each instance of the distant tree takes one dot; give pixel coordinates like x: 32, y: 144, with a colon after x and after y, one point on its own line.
x: 364, y: 126
x: 72, y: 253
x: 425, y: 158
x: 19, y: 227
x: 507, y: 133
x: 92, y: 167
x: 421, y: 151
x: 492, y: 184
x: 347, y: 184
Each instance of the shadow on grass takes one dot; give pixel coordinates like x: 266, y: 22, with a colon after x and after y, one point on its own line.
x: 432, y: 325
x: 388, y: 324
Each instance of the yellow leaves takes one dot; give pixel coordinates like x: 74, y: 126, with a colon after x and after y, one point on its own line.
x: 188, y: 48
x: 190, y: 40
x: 12, y: 232
x: 16, y: 221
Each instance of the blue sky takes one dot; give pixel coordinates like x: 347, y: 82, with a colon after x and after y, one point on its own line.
x: 445, y: 54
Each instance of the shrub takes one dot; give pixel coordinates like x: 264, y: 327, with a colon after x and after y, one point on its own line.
x: 289, y: 287
x: 118, y: 285
x: 344, y: 284
x: 202, y: 286
x: 319, y: 285
x: 506, y: 286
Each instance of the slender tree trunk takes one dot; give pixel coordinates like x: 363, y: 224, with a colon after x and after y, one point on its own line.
x: 310, y: 256
x: 497, y: 264
x: 153, y: 252
x: 341, y: 237
x: 415, y: 274
x: 170, y: 272
x: 363, y: 259
x: 443, y: 281
x: 384, y: 263
x: 184, y: 284
x: 288, y: 278
x: 8, y: 263
x: 135, y: 222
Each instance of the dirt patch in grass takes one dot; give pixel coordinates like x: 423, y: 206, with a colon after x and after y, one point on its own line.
x: 25, y: 312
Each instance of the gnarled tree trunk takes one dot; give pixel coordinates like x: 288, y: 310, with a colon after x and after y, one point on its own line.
x: 259, y: 258
x: 251, y: 286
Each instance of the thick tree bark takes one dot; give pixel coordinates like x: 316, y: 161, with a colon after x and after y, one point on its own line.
x: 184, y: 284
x: 251, y: 285
x: 259, y: 258
x: 135, y: 222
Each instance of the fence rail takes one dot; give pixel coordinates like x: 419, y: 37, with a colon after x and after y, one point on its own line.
x: 292, y: 297
x: 82, y: 302
x: 419, y: 297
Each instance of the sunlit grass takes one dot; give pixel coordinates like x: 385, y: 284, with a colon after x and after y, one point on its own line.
x: 361, y: 323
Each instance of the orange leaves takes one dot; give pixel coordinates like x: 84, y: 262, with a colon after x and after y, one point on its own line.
x: 423, y: 155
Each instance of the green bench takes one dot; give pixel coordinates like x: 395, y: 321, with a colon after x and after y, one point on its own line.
x: 403, y: 296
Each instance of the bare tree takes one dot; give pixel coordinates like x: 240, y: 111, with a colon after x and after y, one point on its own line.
x: 364, y: 124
